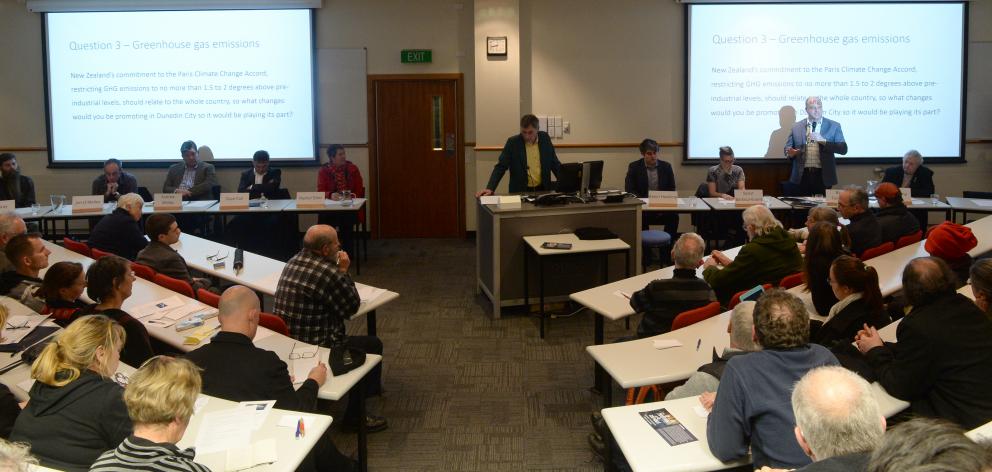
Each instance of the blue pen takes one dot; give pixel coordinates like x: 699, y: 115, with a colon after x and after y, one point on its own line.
x: 299, y: 428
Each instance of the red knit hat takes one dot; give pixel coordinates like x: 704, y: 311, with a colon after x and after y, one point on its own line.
x: 950, y: 241
x: 888, y: 191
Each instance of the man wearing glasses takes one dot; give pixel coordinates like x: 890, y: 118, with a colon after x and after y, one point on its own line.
x: 811, y: 147
x: 191, y: 177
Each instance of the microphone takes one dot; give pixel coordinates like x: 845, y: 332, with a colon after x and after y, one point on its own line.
x: 239, y: 259
x: 814, y: 126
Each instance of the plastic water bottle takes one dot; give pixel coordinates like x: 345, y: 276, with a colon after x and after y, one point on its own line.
x: 265, y: 201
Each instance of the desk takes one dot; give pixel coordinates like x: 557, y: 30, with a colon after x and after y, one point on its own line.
x: 968, y: 205
x: 720, y: 204
x: 65, y: 214
x: 500, y: 248
x: 981, y: 433
x: 578, y: 246
x: 685, y: 205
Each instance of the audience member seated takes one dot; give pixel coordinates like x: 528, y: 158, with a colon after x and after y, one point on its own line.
x: 334, y: 178
x: 114, y: 182
x: 108, y: 283
x: 769, y: 255
x: 981, y: 285
x: 315, y: 295
x: 951, y: 242
x: 838, y: 423
x: 855, y: 285
x: 894, y: 218
x: 236, y: 370
x: 816, y: 215
x: 16, y: 457
x: 61, y: 288
x: 163, y: 231
x: 159, y: 398
x: 823, y: 246
x: 942, y: 361
x: 647, y: 174
x: 192, y: 178
x: 725, y: 178
x: 16, y: 187
x: 707, y: 377
x: 76, y: 410
x: 29, y: 255
x: 260, y: 179
x: 864, y: 229
x: 9, y: 407
x: 662, y: 300
x: 751, y: 407
x: 912, y: 175
x: 925, y: 444
x: 10, y: 225
x: 119, y: 232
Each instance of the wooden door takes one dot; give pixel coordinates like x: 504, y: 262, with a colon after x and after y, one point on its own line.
x: 416, y: 154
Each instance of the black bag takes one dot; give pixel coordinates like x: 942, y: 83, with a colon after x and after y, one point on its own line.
x: 593, y: 233
x: 345, y: 359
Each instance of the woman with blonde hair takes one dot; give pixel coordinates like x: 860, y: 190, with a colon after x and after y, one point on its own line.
x: 76, y: 411
x: 160, y: 398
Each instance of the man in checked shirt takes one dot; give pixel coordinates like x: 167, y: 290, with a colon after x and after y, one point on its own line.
x: 315, y: 296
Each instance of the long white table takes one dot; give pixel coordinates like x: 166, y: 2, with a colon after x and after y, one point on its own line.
x: 968, y: 205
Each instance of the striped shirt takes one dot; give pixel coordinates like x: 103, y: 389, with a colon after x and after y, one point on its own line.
x: 189, y: 177
x: 139, y: 454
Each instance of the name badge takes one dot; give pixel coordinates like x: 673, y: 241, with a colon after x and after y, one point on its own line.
x: 663, y: 198
x: 168, y: 201
x: 310, y: 200
x: 87, y: 204
x: 749, y: 197
x: 234, y: 201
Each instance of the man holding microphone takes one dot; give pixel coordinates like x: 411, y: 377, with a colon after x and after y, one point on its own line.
x: 814, y: 168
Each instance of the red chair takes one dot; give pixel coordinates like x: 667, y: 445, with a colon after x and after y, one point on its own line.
x: 909, y: 239
x: 734, y: 300
x: 208, y: 297
x: 273, y: 322
x: 98, y: 254
x: 77, y: 247
x: 790, y: 281
x: 143, y: 271
x: 878, y: 250
x: 181, y: 287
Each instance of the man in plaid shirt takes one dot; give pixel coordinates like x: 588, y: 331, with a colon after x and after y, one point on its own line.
x: 315, y: 296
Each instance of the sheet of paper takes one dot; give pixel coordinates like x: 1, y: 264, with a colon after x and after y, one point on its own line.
x: 302, y: 367
x: 156, y: 307
x: 622, y: 294
x: 489, y: 200
x: 200, y: 204
x: 982, y: 203
x: 289, y: 421
x: 367, y: 293
x: 18, y: 326
x: 201, y: 401
x: 724, y: 201
x: 251, y: 455
x: 260, y: 410
x: 187, y: 309
x: 224, y: 430
x: 666, y: 343
x: 700, y: 411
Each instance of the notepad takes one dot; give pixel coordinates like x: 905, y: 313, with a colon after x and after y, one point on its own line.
x: 666, y: 343
x: 257, y: 453
x: 259, y: 409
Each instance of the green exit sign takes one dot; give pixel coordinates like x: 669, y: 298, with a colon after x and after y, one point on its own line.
x: 415, y: 56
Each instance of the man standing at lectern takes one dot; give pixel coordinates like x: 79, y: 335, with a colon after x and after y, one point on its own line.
x: 529, y: 156
x: 811, y: 147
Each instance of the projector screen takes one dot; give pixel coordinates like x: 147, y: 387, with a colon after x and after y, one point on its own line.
x: 135, y: 85
x: 892, y: 75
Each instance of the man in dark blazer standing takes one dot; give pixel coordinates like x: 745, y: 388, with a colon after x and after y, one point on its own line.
x: 811, y: 147
x: 650, y: 173
x: 260, y: 179
x: 192, y: 178
x: 529, y: 156
x: 235, y: 369
x: 912, y: 174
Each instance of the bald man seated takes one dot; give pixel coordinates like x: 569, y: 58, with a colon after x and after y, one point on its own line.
x: 315, y: 296
x: 234, y: 369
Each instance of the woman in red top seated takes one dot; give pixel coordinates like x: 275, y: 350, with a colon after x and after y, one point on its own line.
x: 63, y: 285
x: 335, y: 177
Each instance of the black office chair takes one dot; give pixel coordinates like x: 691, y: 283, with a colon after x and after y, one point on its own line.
x: 977, y: 194
x: 145, y: 194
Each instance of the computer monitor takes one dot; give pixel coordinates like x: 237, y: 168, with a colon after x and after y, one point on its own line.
x: 581, y: 177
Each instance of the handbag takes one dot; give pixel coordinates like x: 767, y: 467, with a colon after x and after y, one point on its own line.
x: 345, y: 359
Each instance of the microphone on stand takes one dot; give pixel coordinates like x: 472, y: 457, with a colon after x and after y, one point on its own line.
x: 239, y: 259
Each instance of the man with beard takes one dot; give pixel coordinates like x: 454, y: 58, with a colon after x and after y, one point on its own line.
x: 15, y: 186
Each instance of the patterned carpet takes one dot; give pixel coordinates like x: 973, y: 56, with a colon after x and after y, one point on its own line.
x: 465, y: 392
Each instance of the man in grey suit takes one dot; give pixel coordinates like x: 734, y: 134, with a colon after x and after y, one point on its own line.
x: 192, y: 178
x: 163, y: 231
x: 813, y: 166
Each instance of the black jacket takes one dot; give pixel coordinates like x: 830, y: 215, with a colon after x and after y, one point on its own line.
x: 865, y: 232
x: 856, y: 462
x: 9, y: 409
x: 895, y: 222
x: 269, y: 186
x: 942, y: 362
x: 69, y: 427
x: 119, y: 234
x: 127, y: 183
x: 845, y: 324
x: 26, y: 197
x: 234, y: 369
x: 921, y: 185
x: 636, y: 181
x: 514, y: 159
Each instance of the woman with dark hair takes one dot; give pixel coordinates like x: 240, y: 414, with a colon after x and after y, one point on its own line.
x: 61, y: 288
x: 108, y: 283
x: 822, y: 247
x: 856, y: 286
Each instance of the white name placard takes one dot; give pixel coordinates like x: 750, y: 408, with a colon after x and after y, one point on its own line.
x: 234, y: 201
x: 833, y: 196
x: 749, y: 197
x: 309, y: 199
x: 6, y: 206
x: 168, y: 201
x: 87, y: 204
x: 907, y: 197
x: 509, y: 201
x: 663, y: 198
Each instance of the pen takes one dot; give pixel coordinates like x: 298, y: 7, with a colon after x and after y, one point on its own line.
x: 299, y: 428
x: 699, y: 342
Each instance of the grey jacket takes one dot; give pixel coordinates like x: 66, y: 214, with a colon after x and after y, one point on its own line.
x: 164, y: 260
x: 203, y: 182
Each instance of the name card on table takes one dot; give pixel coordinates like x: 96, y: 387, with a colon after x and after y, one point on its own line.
x: 6, y: 206
x: 234, y: 201
x: 168, y: 201
x: 749, y: 197
x: 87, y: 204
x: 510, y: 201
x: 907, y: 197
x: 833, y: 196
x: 309, y: 199
x: 663, y: 198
